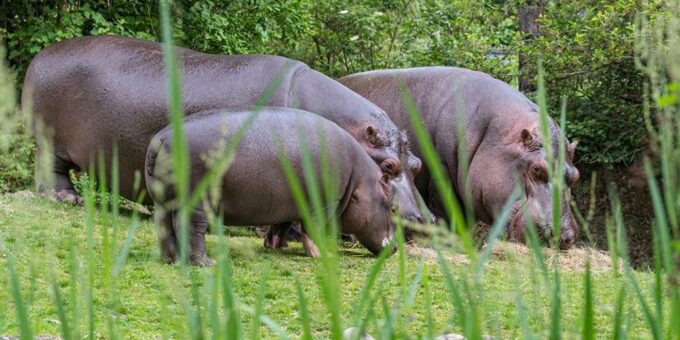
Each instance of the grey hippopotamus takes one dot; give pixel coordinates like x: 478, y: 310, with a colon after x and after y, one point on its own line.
x: 501, y: 126
x: 100, y: 91
x: 254, y: 189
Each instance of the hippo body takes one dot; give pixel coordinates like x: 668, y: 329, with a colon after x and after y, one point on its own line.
x: 97, y: 92
x: 501, y: 131
x: 254, y: 189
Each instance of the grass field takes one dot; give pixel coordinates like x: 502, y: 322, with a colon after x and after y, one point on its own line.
x: 147, y: 300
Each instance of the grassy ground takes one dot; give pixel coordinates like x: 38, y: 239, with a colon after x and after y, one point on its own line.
x: 149, y: 295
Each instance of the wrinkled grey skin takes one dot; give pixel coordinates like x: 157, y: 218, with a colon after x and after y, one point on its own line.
x: 254, y: 189
x: 97, y: 92
x: 503, y: 145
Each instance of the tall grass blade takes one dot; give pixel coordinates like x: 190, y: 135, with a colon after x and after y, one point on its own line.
x: 588, y: 330
x: 427, y: 297
x: 465, y: 310
x: 556, y: 303
x: 233, y: 328
x: 649, y: 317
x: 123, y: 254
x: 619, y: 315
x: 365, y: 292
x: 661, y: 221
x: 259, y: 305
x: 25, y: 329
x: 304, y: 311
x: 497, y: 229
x: 89, y: 198
x: 267, y: 321
x: 61, y: 312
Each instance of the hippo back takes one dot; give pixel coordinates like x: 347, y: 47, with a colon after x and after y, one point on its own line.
x: 499, y: 123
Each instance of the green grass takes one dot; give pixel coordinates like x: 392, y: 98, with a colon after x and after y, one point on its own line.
x: 149, y: 296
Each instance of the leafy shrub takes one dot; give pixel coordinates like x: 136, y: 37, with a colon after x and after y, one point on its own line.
x: 588, y: 52
x: 587, y: 47
x: 16, y: 148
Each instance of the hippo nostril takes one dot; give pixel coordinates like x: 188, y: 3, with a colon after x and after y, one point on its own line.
x: 417, y: 218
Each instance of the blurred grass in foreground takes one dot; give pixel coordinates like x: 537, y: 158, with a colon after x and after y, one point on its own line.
x: 92, y: 272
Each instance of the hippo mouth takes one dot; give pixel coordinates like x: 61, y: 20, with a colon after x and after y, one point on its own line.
x: 517, y: 225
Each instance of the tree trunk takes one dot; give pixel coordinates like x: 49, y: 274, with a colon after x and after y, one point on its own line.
x: 528, y: 25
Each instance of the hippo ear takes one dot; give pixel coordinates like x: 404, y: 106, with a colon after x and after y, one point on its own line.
x: 571, y: 149
x: 371, y: 135
x: 529, y: 140
x: 370, y: 131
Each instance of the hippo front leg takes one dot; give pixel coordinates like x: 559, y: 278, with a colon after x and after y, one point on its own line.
x: 310, y: 248
x: 63, y: 190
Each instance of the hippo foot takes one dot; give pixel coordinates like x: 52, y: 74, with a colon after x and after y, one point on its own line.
x: 202, y: 260
x: 169, y: 258
x: 310, y: 248
x: 275, y: 241
x: 65, y: 195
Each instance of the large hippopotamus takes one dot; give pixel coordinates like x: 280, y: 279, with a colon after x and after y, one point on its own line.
x: 254, y: 189
x: 503, y: 143
x: 99, y: 91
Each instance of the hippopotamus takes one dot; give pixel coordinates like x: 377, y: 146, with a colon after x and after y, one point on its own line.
x: 98, y: 92
x: 254, y: 189
x: 502, y: 141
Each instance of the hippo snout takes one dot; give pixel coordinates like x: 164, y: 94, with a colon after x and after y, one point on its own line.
x: 386, y: 242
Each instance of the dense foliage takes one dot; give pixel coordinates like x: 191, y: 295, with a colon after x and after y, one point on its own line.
x: 587, y: 46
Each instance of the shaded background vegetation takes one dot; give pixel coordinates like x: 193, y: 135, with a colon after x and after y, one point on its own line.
x: 587, y: 49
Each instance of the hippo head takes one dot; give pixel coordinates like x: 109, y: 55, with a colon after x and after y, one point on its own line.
x: 368, y: 212
x: 390, y: 150
x: 522, y: 160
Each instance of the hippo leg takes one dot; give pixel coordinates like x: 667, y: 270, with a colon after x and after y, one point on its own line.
x: 434, y: 201
x: 276, y: 236
x: 310, y: 248
x: 198, y: 226
x: 63, y: 190
x: 167, y: 237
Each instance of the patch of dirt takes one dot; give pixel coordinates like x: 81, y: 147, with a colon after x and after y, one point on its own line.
x: 572, y: 260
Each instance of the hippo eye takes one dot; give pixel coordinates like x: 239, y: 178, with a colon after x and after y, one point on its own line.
x: 539, y: 173
x: 391, y: 166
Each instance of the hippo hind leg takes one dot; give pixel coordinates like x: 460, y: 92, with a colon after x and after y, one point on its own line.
x: 277, y: 235
x: 198, y: 226
x: 170, y: 238
x: 166, y: 236
x: 63, y: 189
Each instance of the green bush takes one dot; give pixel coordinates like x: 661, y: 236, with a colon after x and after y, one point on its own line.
x: 588, y: 52
x: 587, y: 48
x: 16, y: 148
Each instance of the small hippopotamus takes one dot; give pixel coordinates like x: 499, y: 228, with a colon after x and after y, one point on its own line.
x: 254, y: 189
x: 98, y: 92
x: 503, y: 144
